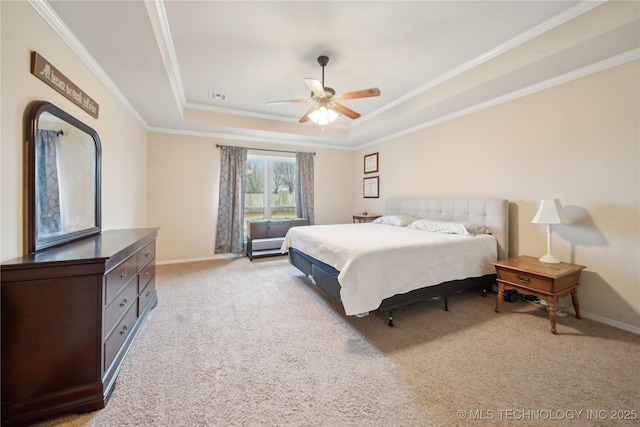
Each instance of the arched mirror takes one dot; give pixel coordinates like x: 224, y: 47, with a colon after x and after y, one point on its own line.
x: 63, y: 167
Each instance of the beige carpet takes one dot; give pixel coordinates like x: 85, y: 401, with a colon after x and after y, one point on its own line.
x: 240, y: 343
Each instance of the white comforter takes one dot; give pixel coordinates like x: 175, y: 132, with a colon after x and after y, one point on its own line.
x: 378, y: 261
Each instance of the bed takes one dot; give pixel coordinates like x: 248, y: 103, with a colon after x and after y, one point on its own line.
x: 419, y: 249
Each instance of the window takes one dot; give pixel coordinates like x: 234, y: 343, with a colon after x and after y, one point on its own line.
x: 271, y: 185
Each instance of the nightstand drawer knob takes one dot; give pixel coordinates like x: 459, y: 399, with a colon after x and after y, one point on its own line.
x: 523, y: 279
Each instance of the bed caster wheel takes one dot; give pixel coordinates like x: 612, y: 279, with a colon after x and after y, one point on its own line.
x: 484, y: 292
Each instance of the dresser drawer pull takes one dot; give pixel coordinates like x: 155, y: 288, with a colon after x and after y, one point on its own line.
x: 123, y: 330
x: 124, y: 303
x: 523, y: 279
x: 148, y: 293
x: 146, y: 274
x: 147, y: 254
x: 124, y: 274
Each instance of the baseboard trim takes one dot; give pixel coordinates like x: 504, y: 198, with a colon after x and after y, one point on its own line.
x: 610, y: 322
x: 597, y: 318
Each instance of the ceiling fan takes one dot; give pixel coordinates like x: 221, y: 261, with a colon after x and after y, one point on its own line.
x: 327, y: 108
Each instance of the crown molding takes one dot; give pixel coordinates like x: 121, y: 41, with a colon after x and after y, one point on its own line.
x: 160, y: 23
x: 534, y: 32
x: 614, y: 61
x: 159, y: 20
x: 54, y: 21
x: 253, y: 138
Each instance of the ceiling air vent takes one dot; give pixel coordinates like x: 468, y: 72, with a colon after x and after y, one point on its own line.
x: 217, y: 96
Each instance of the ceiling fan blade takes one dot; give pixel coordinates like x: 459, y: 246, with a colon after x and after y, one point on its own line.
x: 366, y: 93
x: 295, y: 101
x: 344, y: 111
x: 305, y: 118
x: 316, y: 87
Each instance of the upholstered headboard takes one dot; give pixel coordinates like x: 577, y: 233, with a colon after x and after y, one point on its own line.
x: 493, y: 213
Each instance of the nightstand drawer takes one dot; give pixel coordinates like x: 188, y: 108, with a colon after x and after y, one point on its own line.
x: 525, y: 280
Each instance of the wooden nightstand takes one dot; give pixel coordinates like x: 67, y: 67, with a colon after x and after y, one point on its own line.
x: 365, y: 218
x: 530, y: 276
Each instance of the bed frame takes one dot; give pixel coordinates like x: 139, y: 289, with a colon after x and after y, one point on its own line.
x: 493, y: 213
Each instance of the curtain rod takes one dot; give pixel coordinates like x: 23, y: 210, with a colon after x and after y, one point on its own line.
x: 266, y: 149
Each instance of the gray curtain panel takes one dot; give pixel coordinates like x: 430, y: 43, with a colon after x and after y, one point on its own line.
x: 233, y: 173
x: 304, y: 187
x: 48, y: 203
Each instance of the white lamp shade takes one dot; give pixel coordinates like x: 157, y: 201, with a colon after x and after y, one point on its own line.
x: 323, y: 116
x: 550, y: 212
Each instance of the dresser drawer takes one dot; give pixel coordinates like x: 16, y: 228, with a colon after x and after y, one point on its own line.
x: 526, y: 280
x: 145, y: 275
x: 119, y: 277
x: 119, y: 334
x: 146, y: 294
x: 146, y: 254
x: 120, y: 305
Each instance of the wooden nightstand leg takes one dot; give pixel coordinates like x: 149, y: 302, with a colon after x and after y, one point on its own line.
x: 574, y: 301
x: 500, y: 296
x: 552, y: 313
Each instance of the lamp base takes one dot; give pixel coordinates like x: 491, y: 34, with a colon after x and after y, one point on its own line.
x: 549, y: 259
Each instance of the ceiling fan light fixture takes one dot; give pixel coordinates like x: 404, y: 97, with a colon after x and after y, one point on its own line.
x: 327, y: 108
x: 323, y: 116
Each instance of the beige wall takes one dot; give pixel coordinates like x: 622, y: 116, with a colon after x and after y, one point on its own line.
x: 124, y: 148
x: 184, y: 174
x: 579, y: 142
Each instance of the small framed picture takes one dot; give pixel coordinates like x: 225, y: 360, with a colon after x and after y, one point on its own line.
x: 371, y: 163
x: 371, y: 187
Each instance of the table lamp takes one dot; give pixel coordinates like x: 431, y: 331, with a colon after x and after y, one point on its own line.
x: 550, y: 212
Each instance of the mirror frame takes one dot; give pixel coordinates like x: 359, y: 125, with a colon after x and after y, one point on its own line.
x: 34, y: 241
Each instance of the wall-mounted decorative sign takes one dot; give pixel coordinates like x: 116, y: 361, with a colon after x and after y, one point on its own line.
x: 42, y: 69
x: 371, y: 163
x: 371, y: 187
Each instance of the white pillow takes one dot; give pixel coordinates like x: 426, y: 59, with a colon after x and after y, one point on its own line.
x: 464, y: 228
x: 397, y: 220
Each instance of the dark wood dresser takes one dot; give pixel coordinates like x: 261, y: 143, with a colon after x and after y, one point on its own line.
x: 69, y: 316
